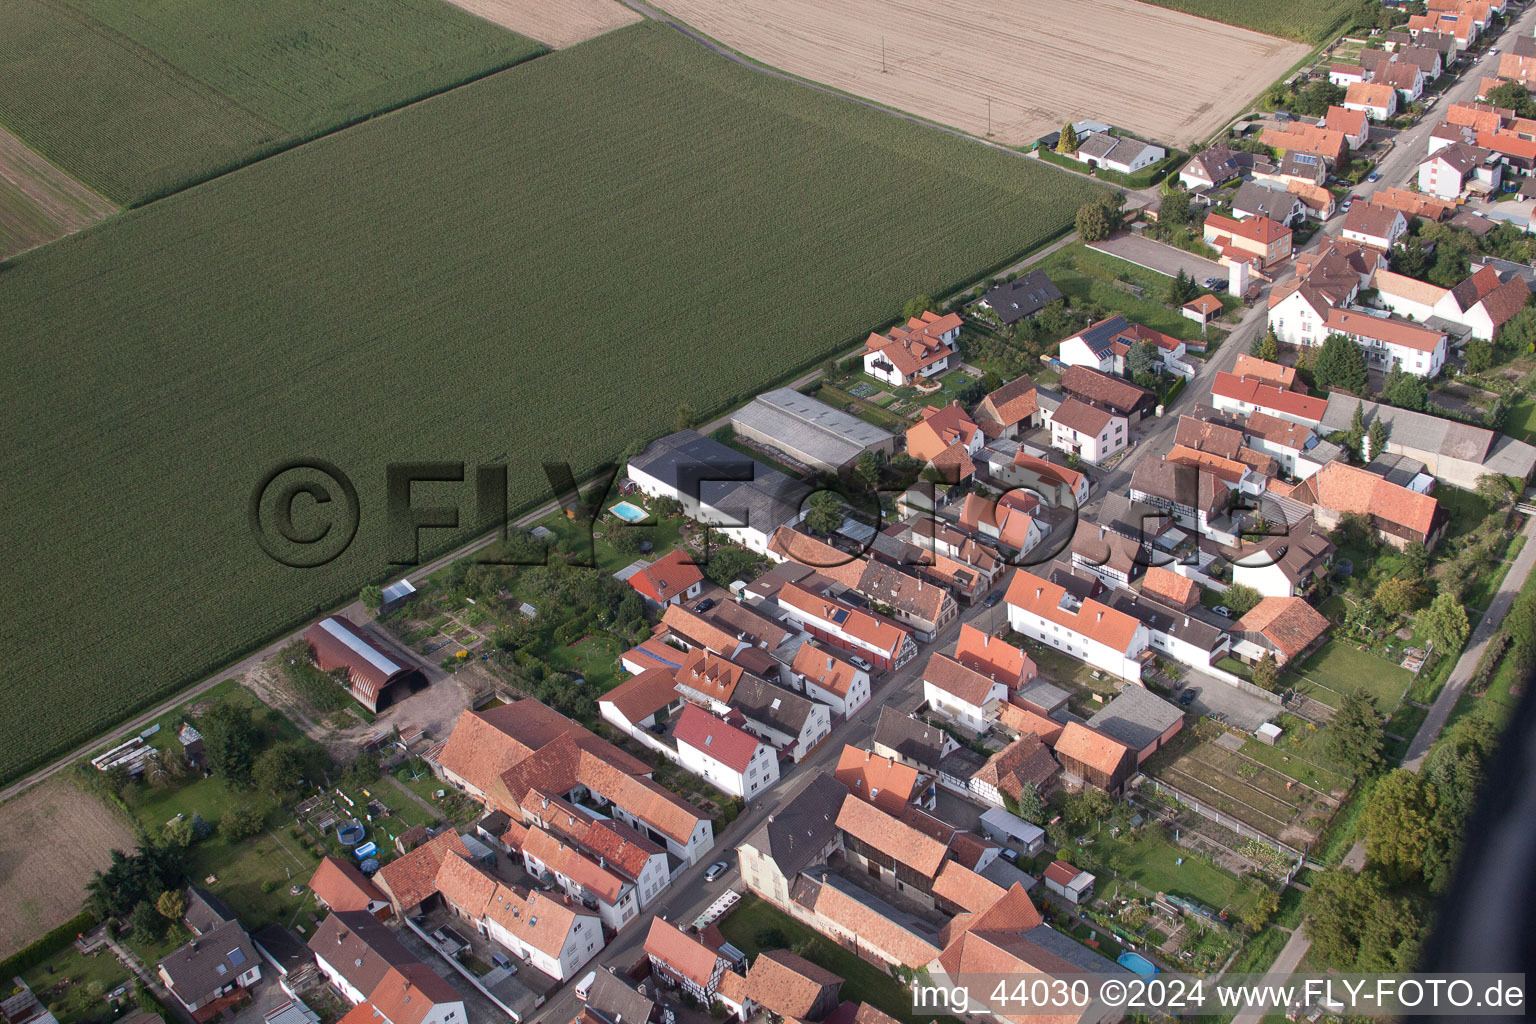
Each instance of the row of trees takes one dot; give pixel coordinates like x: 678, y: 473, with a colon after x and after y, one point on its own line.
x: 1412, y: 827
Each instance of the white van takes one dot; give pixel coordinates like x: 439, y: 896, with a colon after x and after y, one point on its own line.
x: 585, y: 985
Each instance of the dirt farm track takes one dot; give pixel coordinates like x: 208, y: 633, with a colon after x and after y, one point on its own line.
x: 55, y: 836
x: 1155, y: 72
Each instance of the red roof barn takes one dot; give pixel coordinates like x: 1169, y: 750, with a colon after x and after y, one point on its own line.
x: 378, y: 676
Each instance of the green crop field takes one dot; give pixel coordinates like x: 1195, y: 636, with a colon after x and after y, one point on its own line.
x: 1308, y: 21
x: 138, y: 98
x: 538, y: 266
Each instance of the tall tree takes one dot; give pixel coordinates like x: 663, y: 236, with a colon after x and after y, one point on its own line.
x: 1241, y: 599
x: 1340, y: 364
x: 1377, y: 436
x: 278, y: 770
x: 1141, y: 360
x: 1396, y: 595
x: 1266, y: 347
x: 1266, y: 673
x: 1445, y: 624
x: 917, y: 306
x: 1356, y: 437
x: 1398, y: 825
x: 230, y: 741
x: 1093, y: 222
x: 1068, y: 142
x: 1513, y: 96
x: 1357, y: 734
x: 826, y: 513
x: 1174, y: 208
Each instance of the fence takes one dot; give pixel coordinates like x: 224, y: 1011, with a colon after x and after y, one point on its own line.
x: 1224, y: 820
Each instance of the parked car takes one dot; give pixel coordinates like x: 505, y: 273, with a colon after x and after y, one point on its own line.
x: 500, y: 960
x: 1011, y: 856
x: 1188, y: 697
x: 992, y: 599
x: 862, y: 663
x: 1373, y: 176
x: 716, y: 869
x: 1210, y: 282
x: 704, y: 605
x: 1222, y: 610
x: 1347, y: 204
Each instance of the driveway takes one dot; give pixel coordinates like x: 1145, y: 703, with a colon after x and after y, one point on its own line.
x: 1243, y: 710
x: 1165, y: 259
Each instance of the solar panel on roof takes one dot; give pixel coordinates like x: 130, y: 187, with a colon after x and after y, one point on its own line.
x: 839, y: 615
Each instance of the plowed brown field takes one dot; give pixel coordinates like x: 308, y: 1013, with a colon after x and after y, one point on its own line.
x: 553, y: 22
x: 39, y: 202
x: 1155, y: 72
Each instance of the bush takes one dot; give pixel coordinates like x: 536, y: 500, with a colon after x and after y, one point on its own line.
x: 241, y: 822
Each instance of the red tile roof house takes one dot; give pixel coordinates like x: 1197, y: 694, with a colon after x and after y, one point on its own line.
x: 1010, y: 409
x: 364, y: 961
x: 552, y: 932
x: 640, y: 703
x: 1418, y: 350
x: 883, y: 781
x: 1091, y: 433
x: 1376, y: 226
x: 597, y: 862
x: 1244, y: 395
x: 680, y: 959
x: 1355, y: 125
x: 791, y: 987
x: 340, y: 886
x: 1084, y: 629
x: 1069, y: 882
x: 1103, y: 346
x: 1286, y: 627
x: 947, y: 438
x: 1484, y: 302
x: 378, y: 676
x: 730, y: 759
x: 825, y: 674
x: 877, y: 640
x: 671, y: 579
x: 888, y: 848
x: 1008, y: 522
x: 1258, y: 241
x: 502, y: 755
x: 1026, y: 763
x: 1400, y: 516
x: 919, y: 350
x: 963, y: 695
x: 1094, y: 759
x: 923, y: 607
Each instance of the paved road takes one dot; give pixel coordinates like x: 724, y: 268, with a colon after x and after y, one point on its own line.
x: 689, y: 896
x: 1440, y: 711
x: 1284, y: 966
x: 1401, y: 165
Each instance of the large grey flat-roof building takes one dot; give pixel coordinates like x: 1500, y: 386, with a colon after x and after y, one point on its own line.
x: 809, y: 432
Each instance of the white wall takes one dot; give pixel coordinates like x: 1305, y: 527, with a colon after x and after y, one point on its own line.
x: 1100, y: 656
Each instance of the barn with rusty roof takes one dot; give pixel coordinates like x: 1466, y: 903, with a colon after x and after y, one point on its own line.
x: 376, y: 676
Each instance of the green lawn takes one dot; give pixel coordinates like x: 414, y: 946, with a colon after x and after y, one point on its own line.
x: 1084, y: 276
x: 1259, y: 952
x: 1291, y: 763
x: 1152, y: 862
x: 251, y: 875
x: 1341, y: 668
x: 754, y: 926
x: 74, y: 986
x: 138, y: 98
x: 192, y: 346
x: 596, y: 659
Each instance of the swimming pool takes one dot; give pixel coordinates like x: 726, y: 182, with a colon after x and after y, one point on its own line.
x: 629, y: 513
x: 1137, y: 964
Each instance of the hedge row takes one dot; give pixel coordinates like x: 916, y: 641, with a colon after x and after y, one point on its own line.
x: 24, y: 960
